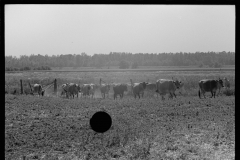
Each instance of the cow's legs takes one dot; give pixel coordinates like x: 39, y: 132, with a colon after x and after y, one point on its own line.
x: 199, y: 94
x: 174, y: 95
x: 203, y: 93
x: 212, y: 94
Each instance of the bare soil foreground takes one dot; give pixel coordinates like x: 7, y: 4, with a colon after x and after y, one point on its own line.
x: 182, y: 128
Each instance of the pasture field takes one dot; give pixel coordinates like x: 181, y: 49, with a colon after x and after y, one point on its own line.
x: 187, y: 127
x: 190, y: 78
x: 149, y: 128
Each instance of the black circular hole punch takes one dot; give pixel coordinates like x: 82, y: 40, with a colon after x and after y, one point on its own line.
x: 101, y: 122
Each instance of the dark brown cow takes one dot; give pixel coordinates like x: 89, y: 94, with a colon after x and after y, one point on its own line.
x: 73, y: 89
x: 165, y: 86
x: 209, y: 85
x: 88, y: 89
x: 104, y: 88
x: 70, y: 89
x: 119, y: 89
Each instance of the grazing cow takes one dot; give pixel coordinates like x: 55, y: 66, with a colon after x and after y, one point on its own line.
x: 70, y: 89
x: 37, y: 88
x: 119, y: 89
x: 104, y: 88
x: 73, y: 89
x: 88, y: 89
x: 209, y: 85
x: 85, y: 89
x: 138, y: 88
x: 165, y: 86
x: 92, y: 89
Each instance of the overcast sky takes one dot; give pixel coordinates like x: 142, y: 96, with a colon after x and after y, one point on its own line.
x: 73, y: 29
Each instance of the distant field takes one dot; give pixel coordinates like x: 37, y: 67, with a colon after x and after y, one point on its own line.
x: 140, y: 69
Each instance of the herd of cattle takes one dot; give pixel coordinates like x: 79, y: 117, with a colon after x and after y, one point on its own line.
x: 161, y: 87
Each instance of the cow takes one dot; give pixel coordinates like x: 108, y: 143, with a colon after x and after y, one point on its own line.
x: 138, y: 88
x: 92, y: 89
x: 164, y: 86
x: 88, y: 89
x: 104, y: 88
x: 70, y: 89
x: 73, y: 89
x: 85, y: 89
x: 37, y: 88
x: 209, y: 85
x: 119, y: 89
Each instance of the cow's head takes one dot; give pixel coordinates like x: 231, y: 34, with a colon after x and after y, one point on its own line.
x: 177, y: 83
x: 78, y: 88
x: 88, y: 87
x: 108, y: 87
x: 125, y: 87
x: 42, y: 92
x: 144, y: 85
x: 220, y: 82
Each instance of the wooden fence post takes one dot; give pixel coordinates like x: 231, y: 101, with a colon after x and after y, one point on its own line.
x: 55, y: 86
x: 30, y: 87
x: 21, y: 85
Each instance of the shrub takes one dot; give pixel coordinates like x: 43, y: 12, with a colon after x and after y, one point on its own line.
x: 229, y: 92
x: 26, y: 68
x: 200, y: 65
x: 210, y: 65
x: 123, y: 65
x: 134, y: 65
x: 217, y: 65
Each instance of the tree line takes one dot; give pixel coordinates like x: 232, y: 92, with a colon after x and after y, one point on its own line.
x: 121, y: 59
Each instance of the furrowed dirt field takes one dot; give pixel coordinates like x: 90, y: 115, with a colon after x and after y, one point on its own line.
x: 183, y: 128
x: 58, y: 128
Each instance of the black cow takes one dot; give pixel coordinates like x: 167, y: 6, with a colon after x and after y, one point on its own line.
x: 119, y: 89
x: 209, y: 85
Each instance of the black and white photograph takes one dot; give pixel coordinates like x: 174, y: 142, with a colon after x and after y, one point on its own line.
x: 119, y: 82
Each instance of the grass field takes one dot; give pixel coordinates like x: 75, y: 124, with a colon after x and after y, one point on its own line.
x: 57, y: 128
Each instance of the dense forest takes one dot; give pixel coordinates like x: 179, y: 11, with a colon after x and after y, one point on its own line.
x: 121, y: 59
